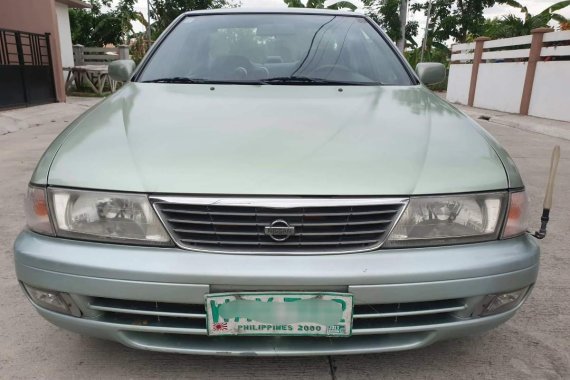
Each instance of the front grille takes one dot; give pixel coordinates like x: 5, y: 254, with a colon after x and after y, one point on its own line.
x: 191, y: 318
x: 321, y: 225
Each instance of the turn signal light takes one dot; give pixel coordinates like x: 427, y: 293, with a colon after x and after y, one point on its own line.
x: 37, y: 211
x: 517, y: 215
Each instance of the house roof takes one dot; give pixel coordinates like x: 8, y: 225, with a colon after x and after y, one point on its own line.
x: 74, y: 3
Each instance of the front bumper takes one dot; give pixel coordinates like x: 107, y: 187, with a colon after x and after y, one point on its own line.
x: 426, y: 277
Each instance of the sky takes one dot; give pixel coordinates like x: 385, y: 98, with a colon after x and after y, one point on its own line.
x: 534, y: 7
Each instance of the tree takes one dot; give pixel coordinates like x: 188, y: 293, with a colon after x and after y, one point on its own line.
x: 125, y: 13
x: 506, y: 27
x: 163, y: 12
x: 548, y: 14
x: 460, y: 20
x: 320, y: 4
x: 386, y: 13
x: 94, y: 27
x: 457, y: 19
x: 102, y: 25
x: 513, y: 26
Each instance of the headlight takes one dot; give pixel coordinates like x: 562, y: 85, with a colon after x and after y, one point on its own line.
x: 452, y: 219
x: 109, y: 217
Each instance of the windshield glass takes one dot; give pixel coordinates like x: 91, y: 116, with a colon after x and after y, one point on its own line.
x: 275, y: 49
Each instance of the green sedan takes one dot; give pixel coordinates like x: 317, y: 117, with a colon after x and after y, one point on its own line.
x: 275, y: 183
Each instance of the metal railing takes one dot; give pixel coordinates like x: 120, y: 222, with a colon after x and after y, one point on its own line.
x: 26, y: 68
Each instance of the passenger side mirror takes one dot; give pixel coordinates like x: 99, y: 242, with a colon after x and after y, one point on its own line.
x: 122, y: 69
x: 431, y: 72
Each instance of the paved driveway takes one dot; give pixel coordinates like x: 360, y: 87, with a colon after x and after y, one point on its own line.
x: 533, y: 345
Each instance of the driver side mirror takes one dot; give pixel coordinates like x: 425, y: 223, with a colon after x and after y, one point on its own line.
x: 122, y: 69
x: 430, y: 72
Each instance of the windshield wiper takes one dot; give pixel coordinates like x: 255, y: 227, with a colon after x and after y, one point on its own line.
x: 298, y: 80
x: 293, y: 79
x: 200, y: 81
x: 307, y: 80
x: 175, y: 80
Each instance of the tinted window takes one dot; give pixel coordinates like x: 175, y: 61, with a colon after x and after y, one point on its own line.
x: 254, y: 47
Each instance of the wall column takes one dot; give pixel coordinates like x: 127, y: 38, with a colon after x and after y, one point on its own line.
x: 78, y: 57
x: 124, y: 52
x: 479, y: 41
x: 533, y: 59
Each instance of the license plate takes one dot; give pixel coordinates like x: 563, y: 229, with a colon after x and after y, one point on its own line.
x: 276, y: 313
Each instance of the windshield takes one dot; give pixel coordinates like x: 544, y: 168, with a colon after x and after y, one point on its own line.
x: 275, y: 49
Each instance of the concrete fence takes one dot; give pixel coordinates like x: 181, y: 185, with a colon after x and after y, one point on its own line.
x: 98, y: 56
x: 529, y: 75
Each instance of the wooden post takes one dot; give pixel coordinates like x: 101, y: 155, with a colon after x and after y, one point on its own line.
x: 78, y: 55
x: 123, y: 52
x: 533, y: 59
x: 478, y: 54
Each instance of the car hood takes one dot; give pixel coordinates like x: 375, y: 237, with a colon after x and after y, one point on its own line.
x: 279, y: 140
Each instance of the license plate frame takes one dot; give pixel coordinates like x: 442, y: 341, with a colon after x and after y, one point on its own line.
x: 279, y: 314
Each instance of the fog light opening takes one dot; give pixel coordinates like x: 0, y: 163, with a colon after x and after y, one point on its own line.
x: 498, y: 303
x: 53, y: 300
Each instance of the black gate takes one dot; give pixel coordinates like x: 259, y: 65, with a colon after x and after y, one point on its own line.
x: 26, y: 70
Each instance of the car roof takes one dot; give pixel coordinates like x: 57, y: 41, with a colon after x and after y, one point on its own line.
x: 312, y: 11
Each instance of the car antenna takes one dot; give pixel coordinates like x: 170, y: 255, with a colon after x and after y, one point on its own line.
x: 541, y: 234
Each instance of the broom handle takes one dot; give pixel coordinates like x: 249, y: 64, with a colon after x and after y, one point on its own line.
x: 550, y: 187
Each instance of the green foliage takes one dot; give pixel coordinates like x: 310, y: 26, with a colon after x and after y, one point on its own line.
x: 103, y: 24
x: 165, y: 11
x: 97, y: 27
x: 513, y: 26
x: 506, y: 27
x: 93, y: 27
x: 463, y: 20
x: 124, y: 12
x: 138, y: 48
x: 320, y: 4
x: 437, y: 53
x: 386, y: 13
x: 457, y: 19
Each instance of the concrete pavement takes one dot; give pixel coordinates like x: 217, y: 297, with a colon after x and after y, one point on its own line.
x: 23, y: 118
x: 535, y: 344
x: 548, y: 127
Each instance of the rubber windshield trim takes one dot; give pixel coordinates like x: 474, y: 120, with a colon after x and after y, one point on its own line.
x: 411, y: 74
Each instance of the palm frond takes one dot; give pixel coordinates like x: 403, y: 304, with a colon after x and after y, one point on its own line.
x: 512, y: 3
x: 315, y: 4
x: 138, y: 16
x: 343, y: 5
x: 558, y: 6
x: 411, y: 42
x: 294, y: 3
x: 559, y: 18
x: 439, y: 45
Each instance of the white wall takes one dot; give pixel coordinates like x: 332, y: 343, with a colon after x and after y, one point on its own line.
x: 550, y: 94
x: 458, y: 83
x: 501, y: 79
x: 62, y: 13
x: 500, y: 86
